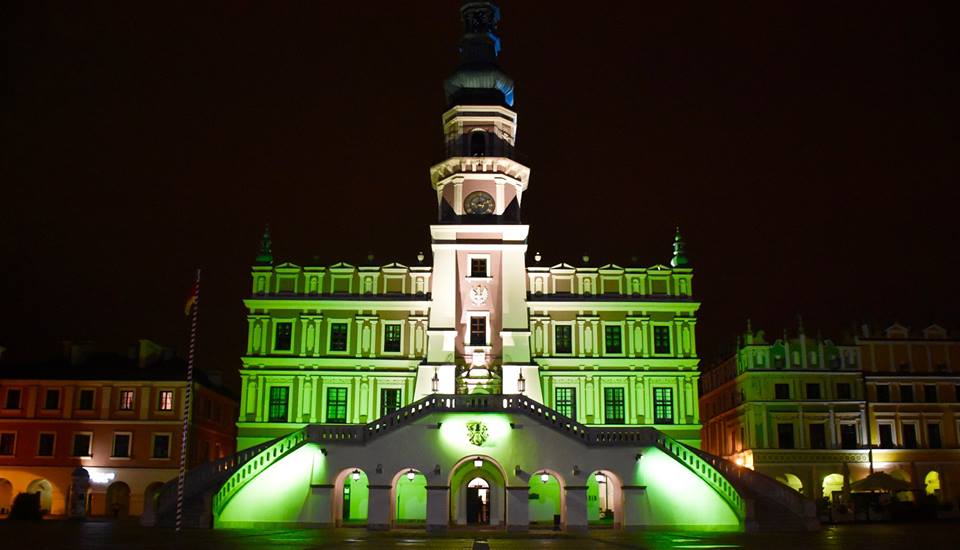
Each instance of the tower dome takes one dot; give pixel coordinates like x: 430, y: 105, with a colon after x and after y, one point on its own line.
x: 478, y: 80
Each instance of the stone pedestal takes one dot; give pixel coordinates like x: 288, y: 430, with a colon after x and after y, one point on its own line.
x: 575, y: 497
x: 518, y: 508
x: 635, y: 506
x: 438, y: 508
x: 378, y: 512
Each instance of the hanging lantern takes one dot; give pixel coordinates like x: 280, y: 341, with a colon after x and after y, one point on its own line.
x: 411, y: 474
x: 600, y: 478
x: 521, y: 383
x: 544, y: 477
x: 478, y: 462
x: 435, y: 382
x: 355, y: 475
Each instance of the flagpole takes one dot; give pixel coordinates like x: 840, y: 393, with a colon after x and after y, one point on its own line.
x: 187, y: 395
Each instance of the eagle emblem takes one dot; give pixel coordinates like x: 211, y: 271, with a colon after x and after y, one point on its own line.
x: 477, y: 432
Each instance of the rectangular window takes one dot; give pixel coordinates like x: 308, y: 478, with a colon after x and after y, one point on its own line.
x: 906, y: 393
x: 933, y: 435
x: 565, y: 401
x: 910, y: 436
x: 283, y: 336
x: 781, y: 391
x: 848, y: 436
x: 813, y: 391
x: 613, y: 409
x: 478, y: 267
x: 278, y: 404
x: 8, y: 443
x: 81, y: 444
x: 337, y: 405
x: 51, y: 400
x: 85, y: 400
x: 785, y: 436
x: 844, y: 390
x: 389, y: 400
x: 661, y: 339
x: 391, y: 337
x: 46, y: 443
x: 930, y: 393
x: 883, y: 393
x: 613, y: 339
x: 126, y: 400
x: 338, y: 337
x: 478, y: 331
x: 818, y: 436
x: 13, y: 399
x: 161, y: 446
x: 563, y: 338
x: 663, y: 405
x: 886, y: 436
x: 165, y: 400
x: 121, y: 445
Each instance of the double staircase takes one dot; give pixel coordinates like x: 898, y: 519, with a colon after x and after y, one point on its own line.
x: 760, y: 502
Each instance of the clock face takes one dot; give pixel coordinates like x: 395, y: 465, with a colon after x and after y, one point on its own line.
x: 479, y: 203
x: 478, y: 294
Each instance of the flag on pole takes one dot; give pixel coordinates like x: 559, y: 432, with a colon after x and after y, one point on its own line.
x: 192, y: 309
x: 192, y: 298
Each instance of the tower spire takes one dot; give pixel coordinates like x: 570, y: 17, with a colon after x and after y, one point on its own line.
x: 679, y: 254
x: 478, y: 80
x: 265, y: 257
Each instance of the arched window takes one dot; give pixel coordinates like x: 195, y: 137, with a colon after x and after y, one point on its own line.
x: 478, y: 143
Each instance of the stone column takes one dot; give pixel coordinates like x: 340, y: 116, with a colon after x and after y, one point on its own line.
x: 438, y: 508
x: 518, y: 508
x: 634, y: 515
x: 378, y: 512
x: 575, y: 497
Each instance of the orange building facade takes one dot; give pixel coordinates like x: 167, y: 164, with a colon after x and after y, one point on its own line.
x: 120, y: 422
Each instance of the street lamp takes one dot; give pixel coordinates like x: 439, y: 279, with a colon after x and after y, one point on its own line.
x: 521, y: 383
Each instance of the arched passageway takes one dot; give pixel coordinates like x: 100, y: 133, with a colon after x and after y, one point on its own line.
x: 118, y: 500
x: 545, y: 498
x: 150, y: 496
x: 43, y: 487
x: 931, y: 484
x: 409, y: 497
x: 794, y: 482
x: 603, y: 498
x: 352, y: 497
x: 832, y: 483
x: 6, y: 496
x: 477, y: 492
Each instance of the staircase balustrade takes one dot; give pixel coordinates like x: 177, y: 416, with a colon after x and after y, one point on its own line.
x: 705, y: 471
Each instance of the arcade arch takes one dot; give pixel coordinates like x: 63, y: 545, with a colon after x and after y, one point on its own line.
x: 794, y: 482
x: 931, y: 484
x: 832, y: 483
x: 118, y: 500
x: 477, y: 492
x: 45, y: 489
x: 604, y: 498
x: 6, y: 496
x: 409, y: 496
x: 545, y: 497
x: 352, y: 497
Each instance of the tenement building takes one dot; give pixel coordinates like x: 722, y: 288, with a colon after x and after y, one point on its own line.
x: 116, y: 423
x: 820, y: 416
x: 478, y: 384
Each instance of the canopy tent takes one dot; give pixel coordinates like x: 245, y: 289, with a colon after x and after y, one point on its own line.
x: 880, y: 482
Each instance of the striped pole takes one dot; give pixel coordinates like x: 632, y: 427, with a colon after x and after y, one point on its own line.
x: 194, y: 313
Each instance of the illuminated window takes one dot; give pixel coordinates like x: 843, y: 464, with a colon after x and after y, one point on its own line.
x: 278, y: 404
x: 8, y: 443
x: 338, y: 337
x: 13, y: 399
x: 663, y: 405
x: 51, y: 400
x: 478, y: 267
x: 126, y: 400
x: 613, y: 407
x: 121, y: 445
x: 563, y: 338
x: 613, y: 339
x: 389, y: 400
x: 45, y: 443
x: 81, y: 444
x: 661, y: 339
x: 565, y: 401
x: 283, y: 337
x: 478, y: 331
x: 391, y: 337
x: 85, y: 400
x: 165, y: 400
x: 337, y: 405
x: 161, y: 445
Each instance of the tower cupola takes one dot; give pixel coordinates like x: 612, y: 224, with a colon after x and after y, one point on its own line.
x: 478, y: 80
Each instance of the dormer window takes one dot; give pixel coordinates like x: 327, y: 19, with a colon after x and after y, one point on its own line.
x: 478, y: 143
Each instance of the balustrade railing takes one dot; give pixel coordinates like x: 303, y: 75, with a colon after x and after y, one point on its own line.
x: 705, y: 471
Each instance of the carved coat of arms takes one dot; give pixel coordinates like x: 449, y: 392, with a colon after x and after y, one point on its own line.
x: 477, y: 432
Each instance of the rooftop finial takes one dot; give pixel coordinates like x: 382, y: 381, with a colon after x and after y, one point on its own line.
x: 265, y: 257
x: 679, y: 254
x: 478, y: 80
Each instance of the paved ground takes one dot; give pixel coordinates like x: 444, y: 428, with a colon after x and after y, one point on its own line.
x: 56, y: 535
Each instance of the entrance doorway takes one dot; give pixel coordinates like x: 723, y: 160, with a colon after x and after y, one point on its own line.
x: 478, y: 502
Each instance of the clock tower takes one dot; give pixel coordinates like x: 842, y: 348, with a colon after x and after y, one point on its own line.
x: 479, y: 329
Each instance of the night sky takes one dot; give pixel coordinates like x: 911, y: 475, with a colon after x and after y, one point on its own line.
x: 808, y: 152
